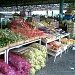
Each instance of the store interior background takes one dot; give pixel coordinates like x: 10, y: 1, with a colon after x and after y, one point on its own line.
x: 52, y: 10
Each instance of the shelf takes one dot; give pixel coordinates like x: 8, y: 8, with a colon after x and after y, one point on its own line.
x: 61, y: 49
x: 18, y: 46
x: 54, y: 53
x: 67, y: 34
x: 55, y: 50
x: 47, y: 40
x: 64, y: 48
x: 58, y: 52
x: 6, y: 51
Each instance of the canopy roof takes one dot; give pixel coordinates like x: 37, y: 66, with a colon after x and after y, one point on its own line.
x: 6, y: 3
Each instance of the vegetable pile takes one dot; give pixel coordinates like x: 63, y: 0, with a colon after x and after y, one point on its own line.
x: 25, y: 29
x: 41, y: 48
x: 20, y: 65
x: 29, y: 33
x: 16, y: 66
x: 36, y: 55
x: 7, y: 36
x: 16, y: 23
x: 5, y: 69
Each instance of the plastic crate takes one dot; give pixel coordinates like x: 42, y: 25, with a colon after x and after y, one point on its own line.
x: 68, y: 17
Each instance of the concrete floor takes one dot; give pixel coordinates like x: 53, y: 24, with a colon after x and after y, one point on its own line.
x: 64, y: 65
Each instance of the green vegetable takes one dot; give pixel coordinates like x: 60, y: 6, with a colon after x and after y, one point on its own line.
x: 7, y: 36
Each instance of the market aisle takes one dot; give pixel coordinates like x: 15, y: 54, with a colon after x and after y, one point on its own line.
x: 62, y: 66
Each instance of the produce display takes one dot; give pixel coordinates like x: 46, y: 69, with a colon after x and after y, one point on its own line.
x: 5, y: 69
x: 25, y: 29
x: 59, y: 47
x: 18, y: 23
x: 36, y: 55
x: 34, y: 24
x: 31, y: 59
x: 46, y: 30
x: 20, y: 65
x: 7, y: 36
x: 29, y: 33
x: 45, y: 24
x: 39, y: 47
x: 54, y: 46
x: 33, y: 56
x: 67, y: 41
x: 51, y: 30
x: 52, y: 34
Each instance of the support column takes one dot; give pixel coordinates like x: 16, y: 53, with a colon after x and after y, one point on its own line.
x: 29, y: 13
x: 61, y: 11
x: 52, y: 13
x: 47, y: 13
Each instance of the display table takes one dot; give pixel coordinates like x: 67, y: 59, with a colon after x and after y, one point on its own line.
x: 48, y: 40
x: 18, y: 46
x: 63, y: 48
x: 5, y: 56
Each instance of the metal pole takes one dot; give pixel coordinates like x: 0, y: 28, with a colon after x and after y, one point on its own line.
x: 61, y: 11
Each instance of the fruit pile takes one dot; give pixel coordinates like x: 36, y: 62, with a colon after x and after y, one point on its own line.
x: 25, y: 29
x: 19, y: 65
x: 40, y: 47
x: 29, y: 33
x: 54, y: 45
x: 67, y: 41
x: 45, y: 24
x: 34, y: 24
x: 36, y: 55
x: 48, y: 30
x: 7, y: 36
x: 18, y: 23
